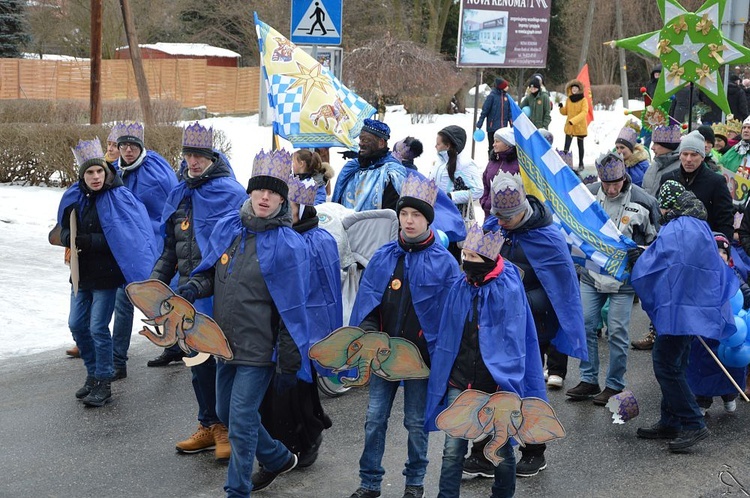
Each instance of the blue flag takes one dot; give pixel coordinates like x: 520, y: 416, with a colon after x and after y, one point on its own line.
x: 594, y: 240
x: 312, y: 107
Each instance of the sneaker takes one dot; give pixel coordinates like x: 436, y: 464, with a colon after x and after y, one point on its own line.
x: 546, y: 375
x: 657, y: 431
x: 73, y: 352
x: 263, y: 477
x: 120, y: 373
x: 555, y: 382
x: 478, y: 466
x: 201, y: 440
x: 365, y: 493
x: 602, y: 398
x: 413, y: 492
x: 530, y: 465
x: 646, y: 343
x: 100, y: 395
x: 88, y: 386
x: 687, y: 440
x: 583, y: 390
x: 703, y: 410
x: 222, y: 449
x: 730, y: 406
x: 165, y: 358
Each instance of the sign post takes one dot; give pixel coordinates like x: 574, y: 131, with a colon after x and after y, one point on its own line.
x: 316, y: 22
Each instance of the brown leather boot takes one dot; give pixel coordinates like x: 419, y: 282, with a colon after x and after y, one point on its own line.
x: 221, y: 439
x: 201, y: 440
x: 647, y: 342
x: 73, y: 352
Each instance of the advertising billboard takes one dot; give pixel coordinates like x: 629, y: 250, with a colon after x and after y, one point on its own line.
x: 503, y: 33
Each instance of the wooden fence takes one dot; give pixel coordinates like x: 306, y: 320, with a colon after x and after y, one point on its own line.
x: 222, y: 90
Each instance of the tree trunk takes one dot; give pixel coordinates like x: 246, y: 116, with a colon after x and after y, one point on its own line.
x: 135, y: 57
x: 587, y: 35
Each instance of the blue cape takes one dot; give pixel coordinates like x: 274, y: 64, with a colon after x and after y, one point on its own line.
x: 507, y: 339
x: 549, y: 255
x: 151, y: 183
x: 126, y: 228
x: 285, y: 268
x: 704, y: 376
x: 429, y: 272
x: 683, y: 284
x: 324, y: 306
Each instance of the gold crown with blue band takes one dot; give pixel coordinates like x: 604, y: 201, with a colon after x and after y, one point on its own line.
x: 486, y: 244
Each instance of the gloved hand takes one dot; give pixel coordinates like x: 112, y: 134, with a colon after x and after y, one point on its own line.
x: 83, y: 242
x: 479, y: 123
x: 188, y: 292
x: 634, y: 254
x: 282, y: 382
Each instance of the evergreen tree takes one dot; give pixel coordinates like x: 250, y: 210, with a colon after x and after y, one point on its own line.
x: 13, y: 29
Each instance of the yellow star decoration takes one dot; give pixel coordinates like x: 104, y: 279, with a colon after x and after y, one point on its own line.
x: 308, y: 79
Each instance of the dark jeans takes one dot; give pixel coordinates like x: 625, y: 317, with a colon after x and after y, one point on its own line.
x: 90, y: 313
x: 204, y: 385
x: 679, y: 409
x: 557, y: 363
x: 122, y: 329
x: 477, y: 449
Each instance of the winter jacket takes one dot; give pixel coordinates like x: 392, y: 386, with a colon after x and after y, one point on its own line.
x: 714, y: 114
x: 651, y: 84
x: 744, y: 229
x: 681, y: 104
x: 636, y: 214
x: 732, y: 159
x: 181, y: 253
x: 576, y: 108
x: 661, y: 165
x: 637, y: 164
x: 466, y: 169
x: 540, y: 106
x: 737, y: 101
x: 496, y: 111
x: 97, y: 266
x: 545, y: 318
x: 711, y: 189
x: 506, y: 161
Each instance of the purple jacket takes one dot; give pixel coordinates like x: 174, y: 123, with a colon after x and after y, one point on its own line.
x: 503, y: 161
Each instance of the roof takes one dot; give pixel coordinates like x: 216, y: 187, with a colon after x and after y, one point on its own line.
x: 197, y: 49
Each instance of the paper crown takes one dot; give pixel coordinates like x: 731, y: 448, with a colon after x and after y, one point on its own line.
x: 128, y: 129
x: 720, y: 130
x: 486, y: 244
x: 667, y: 134
x: 629, y: 135
x: 86, y: 150
x: 567, y: 157
x: 377, y: 128
x: 610, y: 167
x: 623, y: 406
x: 418, y: 188
x: 734, y: 125
x: 507, y: 193
x: 196, y: 136
x: 302, y: 191
x: 113, y: 133
x: 276, y: 164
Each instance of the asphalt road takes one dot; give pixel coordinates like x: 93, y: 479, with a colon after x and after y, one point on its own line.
x: 53, y: 446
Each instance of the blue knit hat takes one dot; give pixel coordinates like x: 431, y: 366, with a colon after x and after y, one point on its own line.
x: 377, y: 128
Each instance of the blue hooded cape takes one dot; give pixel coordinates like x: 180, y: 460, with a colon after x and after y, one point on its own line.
x: 683, y: 284
x: 325, y: 311
x: 447, y: 217
x: 429, y: 272
x: 507, y: 339
x: 549, y: 255
x: 285, y: 268
x: 210, y: 202
x: 151, y: 183
x: 126, y: 227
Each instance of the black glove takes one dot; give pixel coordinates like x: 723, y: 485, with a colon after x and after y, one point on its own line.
x: 188, y: 292
x: 283, y: 382
x: 634, y: 254
x: 83, y: 242
x: 479, y: 123
x: 349, y: 154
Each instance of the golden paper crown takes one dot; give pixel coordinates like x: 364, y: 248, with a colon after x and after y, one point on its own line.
x: 610, y: 167
x: 418, y: 188
x: 734, y: 125
x: 198, y: 137
x: 508, y: 194
x: 87, y: 150
x: 667, y: 134
x: 132, y: 129
x: 486, y: 244
x: 276, y: 164
x: 302, y: 191
x: 720, y: 129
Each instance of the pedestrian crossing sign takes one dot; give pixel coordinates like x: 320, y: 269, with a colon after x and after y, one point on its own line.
x: 316, y: 22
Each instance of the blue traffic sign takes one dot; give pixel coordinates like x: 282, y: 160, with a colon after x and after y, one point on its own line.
x: 317, y: 22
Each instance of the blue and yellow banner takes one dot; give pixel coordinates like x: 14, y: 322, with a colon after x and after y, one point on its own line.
x: 312, y: 108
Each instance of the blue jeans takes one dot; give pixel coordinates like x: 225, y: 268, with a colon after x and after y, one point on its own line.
x: 454, y: 451
x: 204, y: 386
x: 122, y: 328
x: 239, y: 391
x: 679, y: 410
x: 382, y: 393
x: 90, y: 313
x: 618, y: 323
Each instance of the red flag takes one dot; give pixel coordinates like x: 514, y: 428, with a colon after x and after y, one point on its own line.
x: 583, y: 77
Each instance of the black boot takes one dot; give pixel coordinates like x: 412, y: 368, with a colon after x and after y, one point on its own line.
x: 87, y: 388
x: 165, y: 358
x: 100, y: 395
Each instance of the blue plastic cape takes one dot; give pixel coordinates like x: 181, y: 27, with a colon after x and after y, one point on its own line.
x: 704, y: 376
x: 285, y: 268
x: 126, y: 227
x: 507, y: 339
x: 429, y: 272
x: 325, y: 311
x: 549, y: 255
x: 683, y: 284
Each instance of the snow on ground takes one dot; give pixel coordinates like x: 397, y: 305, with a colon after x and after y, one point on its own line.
x: 34, y: 288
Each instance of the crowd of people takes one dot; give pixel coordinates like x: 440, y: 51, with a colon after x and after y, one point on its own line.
x: 498, y: 307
